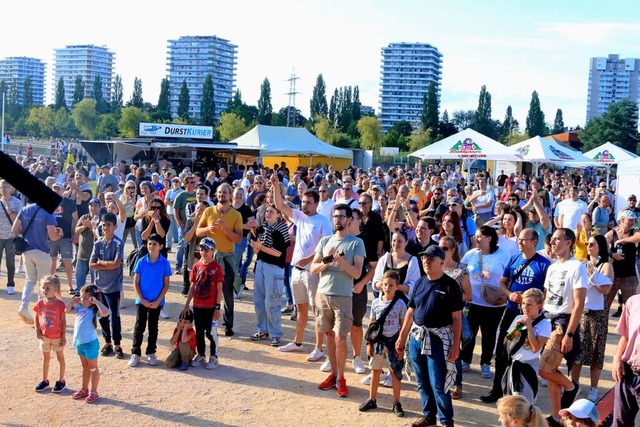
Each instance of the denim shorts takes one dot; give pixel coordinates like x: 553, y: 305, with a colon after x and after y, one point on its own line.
x: 61, y: 246
x: 387, y: 346
x: 89, y: 350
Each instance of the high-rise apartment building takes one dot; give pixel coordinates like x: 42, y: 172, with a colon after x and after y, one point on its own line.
x: 191, y: 59
x: 15, y: 70
x: 407, y: 70
x: 88, y: 62
x: 611, y: 80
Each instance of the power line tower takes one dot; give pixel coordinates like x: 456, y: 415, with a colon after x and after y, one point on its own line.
x: 291, y: 109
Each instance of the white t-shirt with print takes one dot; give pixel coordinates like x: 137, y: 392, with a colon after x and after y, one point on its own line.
x: 562, y: 279
x: 393, y: 321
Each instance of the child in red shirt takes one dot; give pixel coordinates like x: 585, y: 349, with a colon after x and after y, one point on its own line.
x: 184, y: 343
x: 206, y: 291
x: 51, y: 324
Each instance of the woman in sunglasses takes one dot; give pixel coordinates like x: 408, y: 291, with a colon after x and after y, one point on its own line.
x: 155, y: 221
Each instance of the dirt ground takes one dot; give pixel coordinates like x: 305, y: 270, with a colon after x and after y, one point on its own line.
x: 254, y: 385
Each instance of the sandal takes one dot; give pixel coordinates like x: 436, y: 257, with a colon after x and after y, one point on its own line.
x: 80, y: 394
x: 93, y: 396
x: 456, y: 394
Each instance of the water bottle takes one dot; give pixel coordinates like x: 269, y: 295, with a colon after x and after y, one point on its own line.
x: 214, y: 333
x: 518, y: 327
x: 619, y: 250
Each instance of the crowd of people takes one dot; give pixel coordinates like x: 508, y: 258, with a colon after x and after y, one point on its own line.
x: 533, y: 263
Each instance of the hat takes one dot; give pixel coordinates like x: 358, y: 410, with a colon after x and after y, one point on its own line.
x: 628, y: 213
x: 433, y: 251
x: 106, y: 166
x: 56, y: 184
x: 317, y: 179
x: 207, y: 243
x: 632, y: 196
x: 455, y: 201
x: 250, y: 172
x: 95, y: 202
x: 582, y: 408
x: 376, y: 187
x: 121, y: 184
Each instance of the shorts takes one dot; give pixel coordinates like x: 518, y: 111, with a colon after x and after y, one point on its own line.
x: 61, y: 246
x: 89, y: 350
x: 334, y: 313
x: 551, y: 356
x: 304, y: 286
x: 387, y: 347
x: 359, y: 307
x: 48, y: 344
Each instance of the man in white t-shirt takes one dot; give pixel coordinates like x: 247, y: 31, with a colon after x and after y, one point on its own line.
x: 349, y: 197
x: 310, y: 228
x: 566, y: 285
x: 569, y: 211
x: 325, y: 207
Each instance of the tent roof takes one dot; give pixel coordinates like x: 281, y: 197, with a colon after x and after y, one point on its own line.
x: 609, y: 153
x: 285, y: 141
x: 467, y: 144
x: 542, y: 150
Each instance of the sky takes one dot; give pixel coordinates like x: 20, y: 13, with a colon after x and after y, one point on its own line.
x: 511, y: 47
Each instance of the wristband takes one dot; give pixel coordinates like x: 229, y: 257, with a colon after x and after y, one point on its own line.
x: 216, y: 307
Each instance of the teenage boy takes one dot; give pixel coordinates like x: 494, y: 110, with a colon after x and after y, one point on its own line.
x: 107, y: 259
x: 151, y: 278
x: 206, y: 291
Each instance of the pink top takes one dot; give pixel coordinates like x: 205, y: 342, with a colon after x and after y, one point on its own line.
x: 49, y: 317
x: 629, y: 327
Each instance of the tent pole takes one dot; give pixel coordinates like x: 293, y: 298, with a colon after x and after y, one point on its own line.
x: 608, y: 174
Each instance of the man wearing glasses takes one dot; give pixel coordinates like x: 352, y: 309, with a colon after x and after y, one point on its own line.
x: 180, y: 215
x: 325, y: 207
x: 526, y: 269
x: 338, y: 260
x: 566, y: 284
x: 348, y: 196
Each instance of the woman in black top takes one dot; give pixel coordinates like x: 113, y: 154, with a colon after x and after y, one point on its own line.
x: 155, y: 221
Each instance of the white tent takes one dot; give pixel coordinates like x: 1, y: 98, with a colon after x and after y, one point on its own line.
x: 466, y: 145
x: 539, y: 150
x: 628, y: 182
x: 275, y: 141
x: 609, y: 154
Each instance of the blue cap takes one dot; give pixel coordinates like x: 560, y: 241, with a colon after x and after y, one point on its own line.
x: 95, y: 201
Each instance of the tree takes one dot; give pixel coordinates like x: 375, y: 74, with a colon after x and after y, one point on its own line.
x: 536, y: 125
x: 558, y: 123
x: 163, y: 111
x: 85, y: 117
x: 78, y: 91
x: 183, y: 102
x: 27, y: 94
x: 419, y: 139
x: 398, y: 134
x: 619, y: 125
x: 101, y: 104
x: 509, y: 127
x: 231, y: 127
x: 207, y: 105
x: 247, y: 113
x: 117, y: 98
x: 264, y: 104
x: 41, y: 122
x: 107, y: 126
x: 64, y: 125
x: 431, y: 109
x: 325, y: 130
x: 356, y: 106
x: 463, y: 119
x: 136, y: 97
x: 60, y: 101
x: 318, y: 104
x: 333, y: 108
x: 129, y: 122
x: 482, y: 121
x: 371, y: 133
x: 445, y: 128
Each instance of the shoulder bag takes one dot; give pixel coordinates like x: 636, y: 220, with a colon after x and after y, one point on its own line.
x: 490, y: 294
x: 373, y: 334
x: 19, y: 243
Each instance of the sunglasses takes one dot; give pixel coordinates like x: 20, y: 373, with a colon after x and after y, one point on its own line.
x: 322, y: 191
x: 156, y: 208
x: 591, y: 243
x: 445, y: 248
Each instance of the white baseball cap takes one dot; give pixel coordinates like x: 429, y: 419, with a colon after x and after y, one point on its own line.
x: 582, y: 408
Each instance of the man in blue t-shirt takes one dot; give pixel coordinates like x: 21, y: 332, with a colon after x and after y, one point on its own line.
x: 151, y: 278
x: 525, y: 270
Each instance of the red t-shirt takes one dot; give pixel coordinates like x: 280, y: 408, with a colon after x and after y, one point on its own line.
x: 204, y: 279
x: 191, y: 342
x: 49, y: 317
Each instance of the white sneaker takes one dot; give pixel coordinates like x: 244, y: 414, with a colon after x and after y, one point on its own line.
x: 290, y: 347
x: 133, y: 362
x: 197, y: 361
x: 164, y: 314
x: 213, y: 363
x: 152, y: 359
x: 326, y: 365
x: 387, y: 381
x: 26, y: 316
x: 315, y: 355
x: 358, y: 366
x: 11, y: 290
x: 366, y: 380
x: 20, y: 269
x: 593, y: 394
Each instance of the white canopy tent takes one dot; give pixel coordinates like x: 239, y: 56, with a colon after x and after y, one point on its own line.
x: 466, y: 145
x: 539, y: 150
x: 628, y: 182
x: 609, y: 154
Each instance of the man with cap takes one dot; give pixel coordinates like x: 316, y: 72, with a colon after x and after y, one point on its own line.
x: 79, y: 190
x: 631, y: 206
x: 584, y: 412
x: 626, y: 365
x: 433, y: 327
x: 67, y: 217
x: 86, y: 230
x: 107, y: 178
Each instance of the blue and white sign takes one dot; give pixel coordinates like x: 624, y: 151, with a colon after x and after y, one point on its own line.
x: 176, y: 131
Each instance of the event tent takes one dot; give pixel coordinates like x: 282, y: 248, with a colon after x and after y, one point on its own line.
x: 466, y: 145
x: 287, y: 142
x: 609, y: 154
x: 628, y: 182
x: 539, y: 150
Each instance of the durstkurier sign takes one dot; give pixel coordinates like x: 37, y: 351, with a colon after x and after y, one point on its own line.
x: 175, y: 131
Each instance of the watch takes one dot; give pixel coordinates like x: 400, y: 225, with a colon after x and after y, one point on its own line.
x: 216, y: 307
x: 569, y: 334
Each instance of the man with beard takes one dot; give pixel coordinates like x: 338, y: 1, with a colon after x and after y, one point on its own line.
x: 224, y: 225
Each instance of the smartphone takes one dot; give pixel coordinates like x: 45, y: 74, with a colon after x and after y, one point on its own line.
x: 327, y: 259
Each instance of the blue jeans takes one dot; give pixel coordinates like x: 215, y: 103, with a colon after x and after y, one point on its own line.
x: 287, y: 284
x: 238, y: 251
x: 244, y: 266
x: 82, y: 268
x: 181, y: 246
x: 172, y: 235
x: 138, y: 237
x: 267, y: 298
x: 111, y: 326
x: 431, y: 371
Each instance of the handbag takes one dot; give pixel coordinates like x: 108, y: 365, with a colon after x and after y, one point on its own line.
x: 19, y: 243
x: 373, y: 334
x: 467, y: 333
x: 490, y: 294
